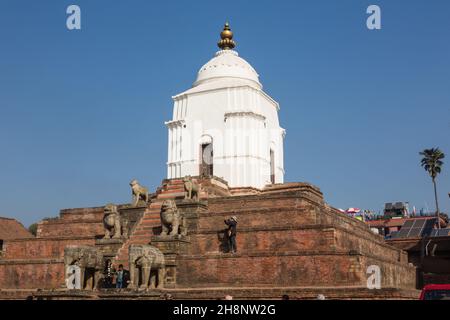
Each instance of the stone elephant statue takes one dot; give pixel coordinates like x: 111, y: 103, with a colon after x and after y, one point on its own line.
x: 143, y: 260
x: 90, y: 262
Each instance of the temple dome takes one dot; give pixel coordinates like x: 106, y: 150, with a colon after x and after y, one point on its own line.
x: 227, y: 64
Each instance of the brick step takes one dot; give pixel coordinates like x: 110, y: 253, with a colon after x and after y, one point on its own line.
x: 175, y: 181
x: 173, y: 188
x: 180, y: 187
x: 148, y: 227
x: 152, y: 215
x: 146, y: 230
x: 171, y: 195
x: 154, y: 207
x: 150, y: 221
x: 173, y: 191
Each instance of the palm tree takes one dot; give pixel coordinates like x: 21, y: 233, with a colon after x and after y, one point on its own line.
x: 432, y: 163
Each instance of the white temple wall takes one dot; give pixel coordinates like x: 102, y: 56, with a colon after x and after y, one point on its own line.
x: 243, y: 124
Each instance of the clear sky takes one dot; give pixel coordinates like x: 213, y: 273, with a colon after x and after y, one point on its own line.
x: 82, y: 112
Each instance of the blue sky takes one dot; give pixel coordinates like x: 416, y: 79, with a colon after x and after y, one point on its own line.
x: 82, y: 112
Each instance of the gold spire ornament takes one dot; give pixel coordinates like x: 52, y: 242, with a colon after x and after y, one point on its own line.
x: 226, y: 42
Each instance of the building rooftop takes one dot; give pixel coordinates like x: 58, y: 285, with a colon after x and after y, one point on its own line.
x: 394, y: 222
x: 12, y: 229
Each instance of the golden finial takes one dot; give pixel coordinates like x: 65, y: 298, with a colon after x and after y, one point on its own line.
x: 226, y: 42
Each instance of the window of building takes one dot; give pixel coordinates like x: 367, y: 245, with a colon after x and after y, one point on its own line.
x: 272, y: 166
x: 206, y: 159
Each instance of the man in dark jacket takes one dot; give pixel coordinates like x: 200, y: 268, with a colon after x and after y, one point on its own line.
x: 231, y: 233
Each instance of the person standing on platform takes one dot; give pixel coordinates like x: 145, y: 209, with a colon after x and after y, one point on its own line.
x: 231, y: 233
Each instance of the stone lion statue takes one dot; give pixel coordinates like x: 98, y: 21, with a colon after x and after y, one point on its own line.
x: 191, y: 188
x: 143, y: 260
x: 172, y: 221
x: 138, y: 192
x: 111, y: 222
x: 90, y: 262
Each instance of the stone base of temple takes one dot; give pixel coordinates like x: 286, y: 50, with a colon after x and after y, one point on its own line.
x: 294, y: 293
x: 289, y: 242
x: 17, y: 294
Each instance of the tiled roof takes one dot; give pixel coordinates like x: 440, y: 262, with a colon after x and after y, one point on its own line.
x: 12, y: 229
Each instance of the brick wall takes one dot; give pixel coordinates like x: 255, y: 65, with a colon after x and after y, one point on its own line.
x: 269, y: 269
x: 41, y: 248
x: 32, y: 274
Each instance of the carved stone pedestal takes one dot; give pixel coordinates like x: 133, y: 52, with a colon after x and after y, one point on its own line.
x: 130, y: 216
x: 191, y: 210
x: 109, y: 247
x: 171, y: 247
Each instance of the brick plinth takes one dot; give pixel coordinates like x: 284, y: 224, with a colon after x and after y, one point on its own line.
x: 289, y: 242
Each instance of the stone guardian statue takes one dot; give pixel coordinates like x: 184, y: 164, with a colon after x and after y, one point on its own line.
x: 172, y: 221
x: 191, y: 188
x: 111, y: 222
x: 138, y: 193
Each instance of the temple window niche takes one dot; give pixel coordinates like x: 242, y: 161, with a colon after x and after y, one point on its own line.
x: 272, y: 166
x: 206, y: 156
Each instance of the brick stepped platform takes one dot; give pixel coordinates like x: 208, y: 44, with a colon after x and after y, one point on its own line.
x: 29, y: 264
x: 289, y: 242
x: 287, y: 236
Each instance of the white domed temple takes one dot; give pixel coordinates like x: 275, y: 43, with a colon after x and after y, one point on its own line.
x: 226, y: 125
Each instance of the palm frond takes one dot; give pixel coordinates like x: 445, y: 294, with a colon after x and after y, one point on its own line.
x: 432, y: 161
